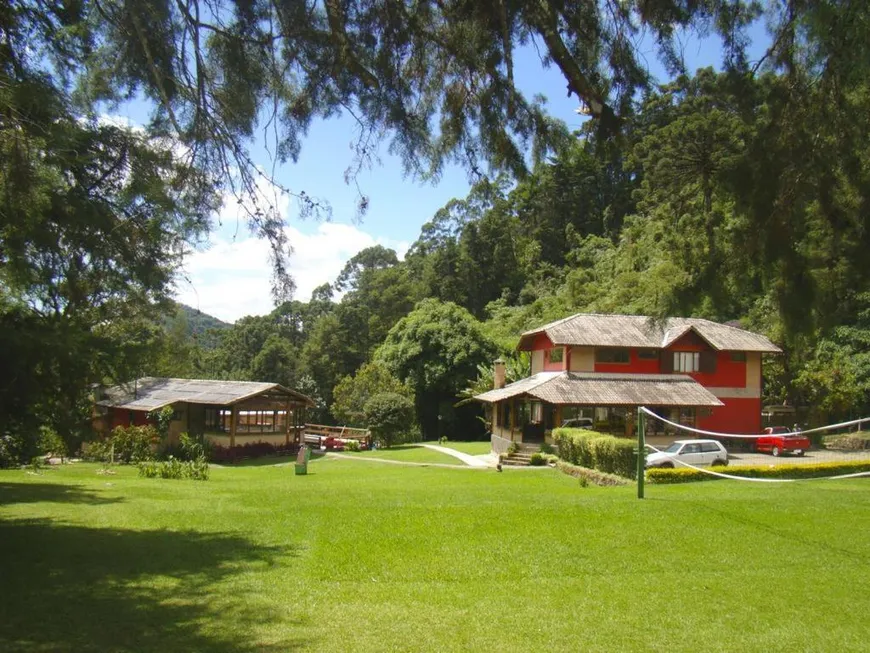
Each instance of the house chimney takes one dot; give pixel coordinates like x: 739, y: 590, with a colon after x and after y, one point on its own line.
x: 498, y: 374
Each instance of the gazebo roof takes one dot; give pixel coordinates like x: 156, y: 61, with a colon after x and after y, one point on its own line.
x: 152, y: 393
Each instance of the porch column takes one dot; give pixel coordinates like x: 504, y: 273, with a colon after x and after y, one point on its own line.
x: 234, y: 418
x: 513, y: 417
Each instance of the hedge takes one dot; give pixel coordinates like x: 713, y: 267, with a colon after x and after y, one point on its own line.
x: 591, y: 475
x: 605, y: 453
x: 847, y: 441
x: 817, y: 470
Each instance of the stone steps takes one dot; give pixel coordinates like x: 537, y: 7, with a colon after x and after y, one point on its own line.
x: 522, y: 458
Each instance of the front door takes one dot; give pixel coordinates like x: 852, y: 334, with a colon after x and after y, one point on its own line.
x: 533, y: 433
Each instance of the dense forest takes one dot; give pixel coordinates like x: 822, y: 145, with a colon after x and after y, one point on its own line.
x: 736, y: 195
x: 665, y: 224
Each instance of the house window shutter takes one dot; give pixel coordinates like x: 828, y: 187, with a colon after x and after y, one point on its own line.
x: 667, y: 361
x: 707, y: 364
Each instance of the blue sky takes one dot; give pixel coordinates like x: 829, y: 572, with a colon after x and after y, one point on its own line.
x: 230, y: 277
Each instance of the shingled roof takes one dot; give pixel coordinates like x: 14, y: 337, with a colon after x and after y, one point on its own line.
x: 151, y: 393
x: 602, y: 389
x: 593, y: 330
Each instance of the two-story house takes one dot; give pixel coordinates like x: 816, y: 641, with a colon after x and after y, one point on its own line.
x: 597, y: 369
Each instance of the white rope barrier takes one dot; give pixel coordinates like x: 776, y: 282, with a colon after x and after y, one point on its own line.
x: 717, y: 434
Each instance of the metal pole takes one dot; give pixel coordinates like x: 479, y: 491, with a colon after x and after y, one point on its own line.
x: 641, y: 427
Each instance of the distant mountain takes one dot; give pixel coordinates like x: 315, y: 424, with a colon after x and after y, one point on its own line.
x: 200, y: 322
x: 201, y: 327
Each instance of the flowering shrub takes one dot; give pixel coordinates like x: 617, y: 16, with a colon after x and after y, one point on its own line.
x: 219, y: 454
x: 128, y: 444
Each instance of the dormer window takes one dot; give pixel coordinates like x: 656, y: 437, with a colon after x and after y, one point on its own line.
x: 687, y: 361
x: 556, y: 354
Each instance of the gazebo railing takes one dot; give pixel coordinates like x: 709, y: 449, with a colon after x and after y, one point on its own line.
x: 340, y: 432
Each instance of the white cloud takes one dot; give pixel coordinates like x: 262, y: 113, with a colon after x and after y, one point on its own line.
x: 232, y: 278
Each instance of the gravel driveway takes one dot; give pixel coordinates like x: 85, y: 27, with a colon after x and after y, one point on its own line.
x: 811, y: 456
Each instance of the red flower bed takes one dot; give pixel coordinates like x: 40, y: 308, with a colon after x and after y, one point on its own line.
x: 229, y: 455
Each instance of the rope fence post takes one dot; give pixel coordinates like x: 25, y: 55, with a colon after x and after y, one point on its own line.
x: 641, y: 445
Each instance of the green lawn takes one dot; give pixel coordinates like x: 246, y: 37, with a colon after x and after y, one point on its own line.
x: 471, y: 448
x: 366, y: 557
x: 409, y: 453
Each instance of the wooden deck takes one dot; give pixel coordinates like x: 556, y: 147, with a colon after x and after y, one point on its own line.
x: 338, y: 432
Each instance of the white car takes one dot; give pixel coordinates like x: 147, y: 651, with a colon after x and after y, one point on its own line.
x: 693, y: 452
x: 579, y: 423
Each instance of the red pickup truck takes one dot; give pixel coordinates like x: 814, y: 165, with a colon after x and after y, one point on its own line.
x: 780, y: 439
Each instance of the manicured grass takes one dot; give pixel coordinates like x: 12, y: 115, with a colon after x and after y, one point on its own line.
x: 471, y: 448
x: 409, y: 453
x: 365, y: 557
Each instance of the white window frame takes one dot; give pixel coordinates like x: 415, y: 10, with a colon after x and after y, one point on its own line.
x: 687, y: 361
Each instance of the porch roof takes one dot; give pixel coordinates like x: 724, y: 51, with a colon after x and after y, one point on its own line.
x: 152, y: 393
x: 602, y: 389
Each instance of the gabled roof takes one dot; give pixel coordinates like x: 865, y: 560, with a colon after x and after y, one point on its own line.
x: 151, y: 393
x: 604, y: 389
x: 594, y: 330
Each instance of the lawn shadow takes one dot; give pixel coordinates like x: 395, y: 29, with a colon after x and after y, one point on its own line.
x: 52, y: 493
x: 72, y: 588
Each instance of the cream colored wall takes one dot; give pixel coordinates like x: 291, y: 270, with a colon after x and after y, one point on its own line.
x: 245, y: 438
x: 753, y: 370
x: 178, y: 426
x: 582, y: 359
x: 537, y: 361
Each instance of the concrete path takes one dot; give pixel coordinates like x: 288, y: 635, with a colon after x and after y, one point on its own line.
x: 407, y: 463
x: 487, y: 460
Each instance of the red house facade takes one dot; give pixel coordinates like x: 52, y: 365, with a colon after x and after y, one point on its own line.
x: 596, y: 369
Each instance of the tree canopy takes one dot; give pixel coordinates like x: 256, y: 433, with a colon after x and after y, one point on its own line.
x: 435, y: 349
x: 733, y: 194
x: 353, y: 392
